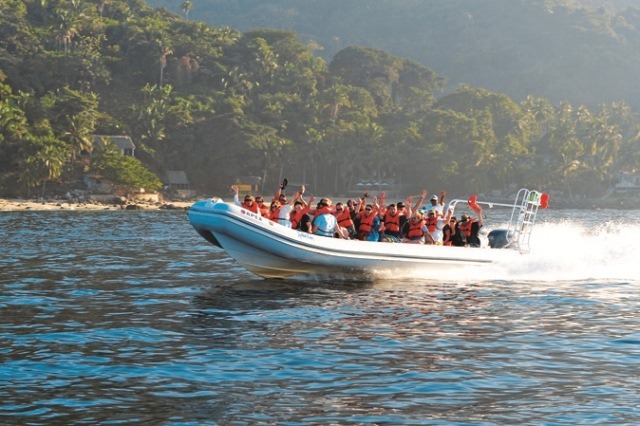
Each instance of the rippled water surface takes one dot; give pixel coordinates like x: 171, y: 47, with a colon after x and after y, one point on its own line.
x: 132, y: 318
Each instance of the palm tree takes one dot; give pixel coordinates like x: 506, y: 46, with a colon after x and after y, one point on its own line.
x: 45, y: 164
x: 67, y: 28
x: 164, y: 52
x: 186, y: 6
x: 79, y: 133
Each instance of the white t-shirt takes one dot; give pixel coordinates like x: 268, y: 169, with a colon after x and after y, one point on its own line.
x: 438, y: 207
x: 438, y: 233
x: 285, y: 214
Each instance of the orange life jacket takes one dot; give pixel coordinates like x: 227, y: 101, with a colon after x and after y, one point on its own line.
x: 322, y: 210
x: 264, y: 209
x: 273, y: 214
x: 296, y: 217
x: 366, y: 222
x: 344, y: 218
x: 415, y: 229
x: 392, y: 223
x: 432, y: 224
x: 252, y: 208
x: 465, y: 227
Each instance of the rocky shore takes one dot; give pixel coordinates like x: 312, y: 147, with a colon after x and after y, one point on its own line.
x: 39, y: 204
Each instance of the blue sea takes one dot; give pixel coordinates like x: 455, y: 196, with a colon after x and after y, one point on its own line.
x: 130, y: 317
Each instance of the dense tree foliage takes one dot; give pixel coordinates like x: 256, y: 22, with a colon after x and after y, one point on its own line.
x: 582, y: 51
x: 123, y: 170
x: 221, y: 104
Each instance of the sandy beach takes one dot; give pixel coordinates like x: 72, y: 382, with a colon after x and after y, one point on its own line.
x: 24, y: 204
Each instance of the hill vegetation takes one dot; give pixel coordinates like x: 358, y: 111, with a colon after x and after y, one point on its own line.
x: 222, y: 104
x: 581, y: 51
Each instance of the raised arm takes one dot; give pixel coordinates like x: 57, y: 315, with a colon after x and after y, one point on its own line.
x: 235, y: 190
x: 281, y: 188
x: 447, y: 216
x: 480, y: 219
x: 407, y: 204
x: 295, y: 197
x: 423, y: 195
x: 361, y: 202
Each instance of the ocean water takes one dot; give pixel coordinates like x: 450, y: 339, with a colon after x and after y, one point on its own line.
x: 132, y: 318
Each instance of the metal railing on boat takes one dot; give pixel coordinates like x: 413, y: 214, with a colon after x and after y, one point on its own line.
x: 523, y: 215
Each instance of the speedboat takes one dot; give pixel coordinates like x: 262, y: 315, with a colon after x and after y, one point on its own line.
x: 271, y: 250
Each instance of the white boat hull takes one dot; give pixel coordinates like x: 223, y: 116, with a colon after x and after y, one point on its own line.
x: 274, y: 251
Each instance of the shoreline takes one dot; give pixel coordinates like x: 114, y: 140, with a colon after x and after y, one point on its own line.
x: 46, y: 205
x: 24, y: 204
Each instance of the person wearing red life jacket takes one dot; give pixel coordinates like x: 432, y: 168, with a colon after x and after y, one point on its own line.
x: 391, y: 224
x: 248, y: 203
x: 300, y: 218
x: 264, y: 209
x: 416, y: 232
x: 273, y: 211
x: 346, y: 227
x: 435, y: 225
x: 404, y: 211
x: 407, y: 211
x: 369, y: 224
x: 284, y: 209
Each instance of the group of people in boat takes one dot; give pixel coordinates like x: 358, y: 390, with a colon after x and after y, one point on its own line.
x: 373, y: 220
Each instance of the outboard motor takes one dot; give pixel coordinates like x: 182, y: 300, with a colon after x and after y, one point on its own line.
x: 498, y: 238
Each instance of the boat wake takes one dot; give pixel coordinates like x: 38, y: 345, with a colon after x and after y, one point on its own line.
x: 560, y: 252
x: 573, y: 251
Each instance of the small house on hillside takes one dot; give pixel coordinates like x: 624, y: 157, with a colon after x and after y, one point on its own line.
x: 177, y: 183
x: 124, y: 143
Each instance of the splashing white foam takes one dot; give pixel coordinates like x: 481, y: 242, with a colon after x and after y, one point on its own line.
x: 575, y: 251
x: 564, y: 251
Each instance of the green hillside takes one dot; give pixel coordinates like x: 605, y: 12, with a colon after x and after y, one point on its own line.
x: 559, y: 50
x: 222, y: 104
